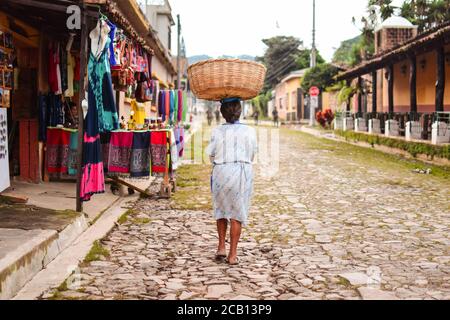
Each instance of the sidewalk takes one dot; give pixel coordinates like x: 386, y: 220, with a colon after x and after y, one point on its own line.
x: 45, y: 272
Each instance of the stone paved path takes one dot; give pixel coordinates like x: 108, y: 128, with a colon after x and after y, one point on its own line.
x: 337, y: 222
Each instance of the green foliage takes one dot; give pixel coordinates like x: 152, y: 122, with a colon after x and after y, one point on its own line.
x: 413, y: 148
x: 321, y: 76
x: 343, y: 54
x: 426, y: 13
x: 261, y: 102
x: 304, y: 59
x: 346, y: 93
x: 284, y: 55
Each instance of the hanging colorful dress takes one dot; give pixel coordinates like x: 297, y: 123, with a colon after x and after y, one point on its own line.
x: 101, y: 117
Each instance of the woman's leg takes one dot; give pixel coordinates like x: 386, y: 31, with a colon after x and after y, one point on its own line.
x: 235, y: 234
x: 222, y: 226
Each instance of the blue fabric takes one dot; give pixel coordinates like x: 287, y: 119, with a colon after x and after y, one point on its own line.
x: 112, y: 36
x: 229, y: 100
x: 172, y: 105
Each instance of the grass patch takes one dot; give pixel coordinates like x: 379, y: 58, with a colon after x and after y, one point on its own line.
x: 97, y: 251
x: 124, y: 218
x: 347, y: 153
x: 141, y: 220
x: 413, y: 148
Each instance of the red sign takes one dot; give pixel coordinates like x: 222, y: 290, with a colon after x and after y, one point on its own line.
x: 314, y: 92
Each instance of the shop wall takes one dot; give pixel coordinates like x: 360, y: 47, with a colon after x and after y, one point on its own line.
x: 426, y: 85
x: 159, y: 68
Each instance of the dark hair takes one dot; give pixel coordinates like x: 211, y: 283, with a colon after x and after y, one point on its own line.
x: 231, y: 111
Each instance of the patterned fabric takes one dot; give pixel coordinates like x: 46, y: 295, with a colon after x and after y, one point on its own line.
x: 158, y: 147
x: 112, y: 36
x: 93, y: 177
x: 105, y: 139
x: 101, y: 91
x: 120, y: 152
x: 140, y: 155
x: 179, y: 137
x: 73, y: 147
x: 58, y: 142
x: 233, y: 148
x: 173, y: 152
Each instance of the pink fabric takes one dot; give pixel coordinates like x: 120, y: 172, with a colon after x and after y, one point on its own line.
x: 94, y: 182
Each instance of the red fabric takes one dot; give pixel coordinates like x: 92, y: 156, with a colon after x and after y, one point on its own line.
x: 58, y: 142
x: 53, y: 61
x: 76, y: 74
x: 158, y: 147
x: 120, y: 152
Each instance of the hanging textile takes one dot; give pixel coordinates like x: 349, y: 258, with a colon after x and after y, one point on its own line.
x: 105, y: 139
x: 63, y: 70
x: 172, y: 106
x: 139, y: 112
x: 42, y: 106
x: 175, y: 112
x: 101, y: 94
x: 52, y: 68
x: 55, y: 112
x: 167, y: 102
x: 93, y: 178
x: 173, y: 152
x: 158, y: 147
x: 162, y: 105
x: 180, y: 106
x: 185, y: 107
x: 179, y: 137
x: 58, y: 141
x: 140, y: 155
x: 120, y: 152
x: 112, y: 36
x: 73, y: 153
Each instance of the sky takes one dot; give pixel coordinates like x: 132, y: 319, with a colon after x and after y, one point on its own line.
x: 236, y: 27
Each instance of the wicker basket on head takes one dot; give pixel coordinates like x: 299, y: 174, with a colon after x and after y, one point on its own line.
x: 226, y: 78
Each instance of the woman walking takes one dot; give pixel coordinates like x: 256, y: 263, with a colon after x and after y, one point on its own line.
x: 232, y: 150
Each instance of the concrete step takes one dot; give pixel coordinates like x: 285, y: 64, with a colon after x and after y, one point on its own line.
x: 24, y: 253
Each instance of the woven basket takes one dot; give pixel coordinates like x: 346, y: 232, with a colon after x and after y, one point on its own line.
x: 226, y: 78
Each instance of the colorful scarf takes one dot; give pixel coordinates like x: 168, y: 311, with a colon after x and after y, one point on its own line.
x: 93, y: 177
x: 180, y: 106
x: 179, y: 137
x: 167, y: 101
x: 58, y: 141
x: 173, y: 152
x: 158, y: 150
x: 73, y: 148
x: 120, y: 152
x: 140, y: 155
x: 172, y: 106
x: 185, y: 107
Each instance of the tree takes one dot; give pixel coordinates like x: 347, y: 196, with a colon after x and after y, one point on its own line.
x: 321, y: 76
x: 344, y: 54
x: 304, y: 59
x: 279, y: 58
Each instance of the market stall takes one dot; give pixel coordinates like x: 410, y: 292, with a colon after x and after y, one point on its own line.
x: 64, y: 88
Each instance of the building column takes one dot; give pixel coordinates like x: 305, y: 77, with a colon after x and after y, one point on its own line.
x: 349, y: 84
x: 391, y: 88
x: 360, y: 97
x: 413, y: 83
x: 440, y: 83
x: 374, y: 91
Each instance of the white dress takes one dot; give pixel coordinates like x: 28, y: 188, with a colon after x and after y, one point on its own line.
x: 233, y: 147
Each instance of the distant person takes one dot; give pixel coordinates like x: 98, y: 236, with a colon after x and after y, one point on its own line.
x: 209, y: 116
x: 256, y: 117
x: 218, y: 116
x: 275, y: 117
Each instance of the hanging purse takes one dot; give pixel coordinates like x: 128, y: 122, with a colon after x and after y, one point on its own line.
x: 143, y: 92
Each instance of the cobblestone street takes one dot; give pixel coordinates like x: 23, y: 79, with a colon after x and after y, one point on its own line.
x: 336, y: 222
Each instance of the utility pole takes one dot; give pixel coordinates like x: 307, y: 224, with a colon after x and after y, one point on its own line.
x: 179, y: 54
x: 313, y: 49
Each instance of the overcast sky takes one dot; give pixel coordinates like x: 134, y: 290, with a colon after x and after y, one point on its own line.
x: 235, y: 27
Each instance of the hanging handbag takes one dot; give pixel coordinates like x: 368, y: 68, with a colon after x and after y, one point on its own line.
x: 143, y: 92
